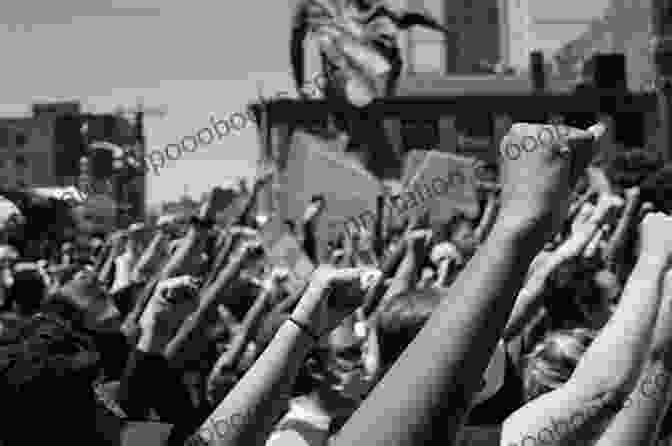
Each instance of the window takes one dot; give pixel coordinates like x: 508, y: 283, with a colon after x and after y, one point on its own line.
x: 4, y: 137
x: 21, y: 161
x: 21, y: 139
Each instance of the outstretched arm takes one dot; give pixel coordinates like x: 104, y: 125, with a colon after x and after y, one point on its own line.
x: 406, y: 19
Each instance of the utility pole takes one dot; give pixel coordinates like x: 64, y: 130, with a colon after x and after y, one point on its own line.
x: 661, y: 46
x: 139, y: 113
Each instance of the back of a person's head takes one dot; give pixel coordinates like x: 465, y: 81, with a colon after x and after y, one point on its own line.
x: 400, y: 320
x: 47, y: 368
x: 657, y: 189
x: 553, y: 360
x: 630, y: 168
x: 27, y: 292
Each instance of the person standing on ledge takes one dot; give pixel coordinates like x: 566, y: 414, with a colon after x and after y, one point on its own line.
x: 353, y: 44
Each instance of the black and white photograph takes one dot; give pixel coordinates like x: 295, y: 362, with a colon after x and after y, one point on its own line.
x: 336, y: 223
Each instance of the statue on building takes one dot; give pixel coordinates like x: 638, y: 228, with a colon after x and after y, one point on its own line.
x: 346, y: 51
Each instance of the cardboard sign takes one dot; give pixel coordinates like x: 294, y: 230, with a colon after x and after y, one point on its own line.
x: 350, y: 191
x: 445, y: 184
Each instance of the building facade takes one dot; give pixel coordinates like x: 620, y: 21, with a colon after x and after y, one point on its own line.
x: 26, y: 153
x: 477, y: 40
x: 47, y: 150
x: 625, y: 28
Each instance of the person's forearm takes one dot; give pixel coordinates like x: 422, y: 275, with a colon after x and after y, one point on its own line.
x: 375, y: 294
x: 624, y: 341
x: 184, y: 261
x: 309, y: 241
x: 261, y: 396
x: 247, y: 330
x: 445, y: 375
x: 245, y: 218
x: 150, y: 258
x: 222, y: 258
x: 194, y: 326
x: 640, y: 419
x: 529, y: 300
x: 406, y: 277
x: 617, y: 241
x: 487, y: 220
x: 105, y: 275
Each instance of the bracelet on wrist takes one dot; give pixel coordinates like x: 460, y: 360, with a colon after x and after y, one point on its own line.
x: 306, y: 329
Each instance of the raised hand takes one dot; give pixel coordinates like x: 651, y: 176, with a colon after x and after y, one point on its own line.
x: 418, y: 240
x: 536, y: 183
x: 332, y: 295
x: 173, y: 300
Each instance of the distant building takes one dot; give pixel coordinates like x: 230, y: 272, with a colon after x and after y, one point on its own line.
x: 26, y: 153
x: 477, y: 40
x: 46, y: 149
x: 625, y: 28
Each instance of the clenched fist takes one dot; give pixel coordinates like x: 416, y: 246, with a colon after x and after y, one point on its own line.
x: 536, y: 184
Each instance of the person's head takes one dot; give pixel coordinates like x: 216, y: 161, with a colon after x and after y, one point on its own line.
x: 47, y: 371
x: 400, y: 320
x: 657, y: 189
x: 27, y: 291
x: 632, y: 167
x: 95, y: 309
x: 552, y: 361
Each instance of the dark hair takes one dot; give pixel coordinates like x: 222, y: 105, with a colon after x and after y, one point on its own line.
x: 400, y: 320
x: 27, y: 292
x: 657, y: 189
x: 305, y: 381
x: 630, y: 168
x: 44, y: 362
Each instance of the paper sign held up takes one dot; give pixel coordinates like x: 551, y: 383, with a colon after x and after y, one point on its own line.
x: 348, y: 188
x: 445, y: 184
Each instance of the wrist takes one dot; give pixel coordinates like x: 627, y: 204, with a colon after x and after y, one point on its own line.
x: 151, y: 342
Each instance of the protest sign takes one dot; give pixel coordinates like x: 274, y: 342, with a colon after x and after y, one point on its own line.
x: 445, y: 184
x: 349, y: 190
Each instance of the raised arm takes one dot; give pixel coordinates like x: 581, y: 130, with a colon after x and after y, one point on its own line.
x: 192, y: 331
x: 616, y: 243
x: 445, y: 375
x: 261, y: 395
x: 639, y: 421
x: 529, y: 300
x: 608, y: 370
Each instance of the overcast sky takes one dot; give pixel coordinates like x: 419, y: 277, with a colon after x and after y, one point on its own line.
x: 196, y: 58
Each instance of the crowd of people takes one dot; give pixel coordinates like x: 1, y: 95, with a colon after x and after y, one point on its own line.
x: 546, y: 320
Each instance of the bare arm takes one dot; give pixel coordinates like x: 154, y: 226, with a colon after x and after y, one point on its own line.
x: 616, y: 243
x: 446, y: 375
x: 260, y: 397
x: 609, y: 369
x: 488, y: 218
x: 639, y: 421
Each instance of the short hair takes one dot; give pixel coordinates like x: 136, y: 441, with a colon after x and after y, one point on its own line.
x: 552, y: 361
x: 657, y: 189
x: 401, y: 319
